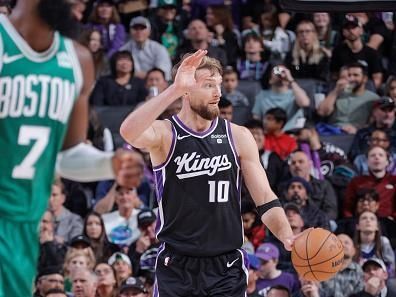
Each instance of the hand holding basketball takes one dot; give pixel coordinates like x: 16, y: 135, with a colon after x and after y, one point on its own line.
x: 317, y: 254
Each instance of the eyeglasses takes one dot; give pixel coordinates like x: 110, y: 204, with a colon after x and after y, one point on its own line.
x: 368, y: 199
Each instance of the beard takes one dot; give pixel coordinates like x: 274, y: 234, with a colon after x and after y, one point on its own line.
x: 356, y: 87
x: 57, y: 14
x: 205, y: 112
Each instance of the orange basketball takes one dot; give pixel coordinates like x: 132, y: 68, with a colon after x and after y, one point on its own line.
x: 317, y: 254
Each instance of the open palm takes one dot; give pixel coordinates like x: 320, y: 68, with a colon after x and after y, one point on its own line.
x: 185, y: 76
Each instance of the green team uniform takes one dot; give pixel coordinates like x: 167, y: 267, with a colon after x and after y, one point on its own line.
x: 37, y: 94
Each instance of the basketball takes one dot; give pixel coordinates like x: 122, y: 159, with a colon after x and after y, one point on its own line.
x: 317, y: 254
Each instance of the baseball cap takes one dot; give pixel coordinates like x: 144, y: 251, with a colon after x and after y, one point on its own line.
x: 133, y: 283
x: 351, y: 20
x: 267, y: 251
x: 167, y: 4
x: 254, y: 262
x: 142, y: 21
x: 375, y: 261
x: 291, y: 206
x: 80, y: 239
x: 297, y: 179
x: 384, y: 102
x: 119, y: 256
x: 146, y: 217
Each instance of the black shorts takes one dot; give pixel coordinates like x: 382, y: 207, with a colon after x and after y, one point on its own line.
x: 183, y: 276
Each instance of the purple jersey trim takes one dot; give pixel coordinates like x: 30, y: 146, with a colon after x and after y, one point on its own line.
x: 203, y: 134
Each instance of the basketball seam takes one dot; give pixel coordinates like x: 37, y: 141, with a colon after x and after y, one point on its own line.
x: 306, y: 250
x: 322, y: 261
x: 324, y: 241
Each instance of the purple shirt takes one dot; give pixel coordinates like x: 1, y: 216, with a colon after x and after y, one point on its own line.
x: 113, y: 36
x: 286, y: 279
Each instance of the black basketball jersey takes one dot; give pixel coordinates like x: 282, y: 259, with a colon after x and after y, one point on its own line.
x: 198, y: 191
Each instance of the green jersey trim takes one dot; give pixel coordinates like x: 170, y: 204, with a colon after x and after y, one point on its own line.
x: 78, y: 76
x: 24, y: 47
x: 1, y: 52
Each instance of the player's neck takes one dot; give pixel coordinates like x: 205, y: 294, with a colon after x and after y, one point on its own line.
x: 194, y: 121
x: 31, y: 27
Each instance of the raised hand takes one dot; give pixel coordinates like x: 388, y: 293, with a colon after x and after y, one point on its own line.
x: 185, y: 76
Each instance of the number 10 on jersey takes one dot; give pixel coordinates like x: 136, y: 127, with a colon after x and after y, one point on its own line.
x: 218, y: 190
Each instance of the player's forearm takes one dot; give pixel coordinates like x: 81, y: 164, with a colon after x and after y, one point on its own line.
x: 144, y: 116
x: 275, y: 219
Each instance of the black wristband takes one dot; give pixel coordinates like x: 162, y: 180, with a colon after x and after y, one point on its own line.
x: 262, y: 209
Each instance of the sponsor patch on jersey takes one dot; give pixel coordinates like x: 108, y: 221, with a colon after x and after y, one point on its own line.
x: 218, y: 138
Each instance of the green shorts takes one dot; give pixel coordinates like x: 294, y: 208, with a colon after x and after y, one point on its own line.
x: 19, y: 248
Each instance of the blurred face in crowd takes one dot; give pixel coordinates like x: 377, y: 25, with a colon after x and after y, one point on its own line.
x: 321, y: 19
x: 366, y: 203
x: 352, y: 33
x: 127, y: 198
x: 105, y: 275
x: 374, y: 270
x: 306, y: 34
x: 94, y: 227
x: 124, y: 65
x: 57, y: 199
x: 230, y: 82
x: 197, y: 31
x: 105, y: 11
x: 84, y: 283
x: 258, y: 135
x: 78, y: 8
x: 300, y: 165
x: 210, y: 17
x: 226, y: 113
x: 253, y: 46
x: 267, y: 267
x: 156, y: 79
x: 50, y: 281
x: 95, y: 42
x: 271, y: 125
x: 356, y: 78
x: 379, y: 138
x: 392, y: 90
x: 132, y: 293
x: 77, y: 263
x: 368, y: 222
x: 295, y: 190
x: 267, y: 20
x: 295, y: 220
x: 140, y: 33
x: 122, y: 268
x: 349, y: 248
x: 384, y: 117
x: 167, y: 14
x: 149, y: 230
x: 277, y: 293
x: 47, y: 222
x: 377, y: 159
x: 4, y: 9
x: 248, y: 220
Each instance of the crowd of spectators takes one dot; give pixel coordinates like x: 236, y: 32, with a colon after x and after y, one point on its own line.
x: 317, y: 91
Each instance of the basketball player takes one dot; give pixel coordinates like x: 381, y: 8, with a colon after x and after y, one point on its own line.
x: 45, y: 80
x: 199, y: 160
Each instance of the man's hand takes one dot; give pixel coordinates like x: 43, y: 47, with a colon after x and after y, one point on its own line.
x: 128, y: 168
x: 46, y: 236
x: 373, y: 286
x: 289, y: 241
x: 350, y: 129
x: 310, y: 289
x: 340, y: 85
x: 185, y: 76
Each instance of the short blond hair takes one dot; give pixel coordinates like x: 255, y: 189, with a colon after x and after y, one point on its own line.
x: 73, y: 253
x: 212, y: 64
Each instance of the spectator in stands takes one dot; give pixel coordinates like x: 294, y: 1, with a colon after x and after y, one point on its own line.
x: 253, y: 228
x: 121, y: 224
x: 378, y: 137
x: 121, y: 87
x: 94, y: 229
x: 122, y: 266
x: 307, y: 58
x: 322, y: 193
x: 278, y: 291
x: 353, y: 50
x: 226, y: 109
x: 92, y: 39
x: 390, y: 87
x: 308, y: 289
x: 166, y: 26
x: 220, y: 24
x: 328, y: 38
x: 253, y: 63
x: 348, y: 105
x: 5, y: 7
x: 155, y: 82
x: 349, y: 279
x: 78, y: 8
x: 383, y: 116
x: 52, y: 253
x: 146, y: 53
x: 375, y: 277
x: 67, y: 224
x: 298, y: 191
x: 198, y: 36
x: 254, y: 266
x: 77, y: 259
x: 49, y: 278
x: 230, y: 85
x: 370, y: 242
x: 378, y: 179
x: 106, y: 19
x: 85, y: 283
x: 56, y: 293
x: 275, y: 139
x: 284, y: 93
x: 277, y: 40
x: 269, y: 275
x: 325, y: 156
x: 272, y: 163
x: 107, y: 284
x: 132, y: 287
